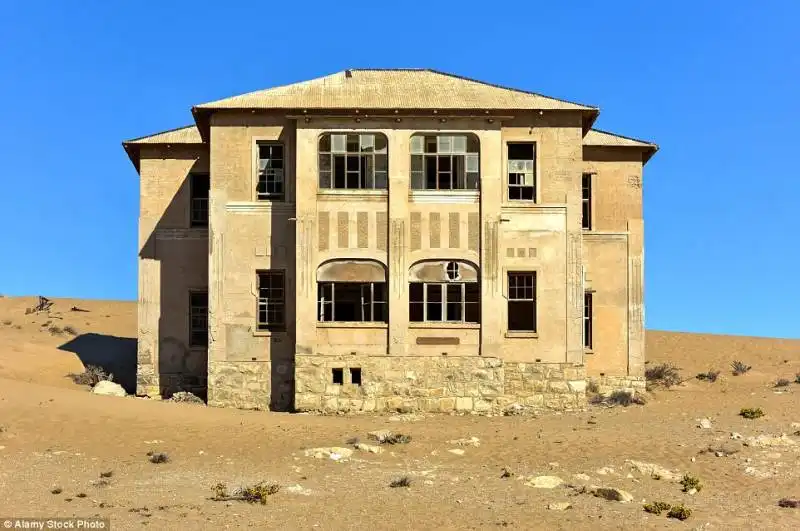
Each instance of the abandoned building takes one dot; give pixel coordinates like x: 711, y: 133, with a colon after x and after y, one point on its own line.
x: 383, y: 240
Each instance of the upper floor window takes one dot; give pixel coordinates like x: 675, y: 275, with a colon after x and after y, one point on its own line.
x: 199, y: 186
x: 522, y: 171
x: 271, y: 303
x: 586, y: 191
x: 270, y: 171
x: 353, y: 161
x: 445, y: 162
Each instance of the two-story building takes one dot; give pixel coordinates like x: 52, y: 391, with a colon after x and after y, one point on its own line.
x: 379, y: 240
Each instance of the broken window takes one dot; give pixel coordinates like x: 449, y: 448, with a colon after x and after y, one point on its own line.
x: 587, y: 320
x: 337, y: 376
x: 271, y: 300
x: 522, y: 302
x: 353, y: 161
x: 445, y: 162
x: 198, y: 319
x: 355, y: 376
x: 452, y: 302
x: 351, y: 302
x: 586, y: 189
x: 199, y: 185
x: 522, y: 171
x: 270, y: 171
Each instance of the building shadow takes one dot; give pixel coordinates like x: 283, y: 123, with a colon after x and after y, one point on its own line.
x: 115, y: 355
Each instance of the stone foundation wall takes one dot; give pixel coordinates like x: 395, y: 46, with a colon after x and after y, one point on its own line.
x: 250, y: 385
x: 608, y: 384
x: 434, y: 384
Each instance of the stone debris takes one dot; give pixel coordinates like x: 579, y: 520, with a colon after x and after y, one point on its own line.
x: 654, y: 471
x: 456, y: 451
x: 380, y: 435
x: 186, y: 397
x: 472, y: 441
x: 582, y: 477
x: 371, y: 448
x: 107, y: 388
x: 752, y: 471
x: 545, y: 482
x: 612, y: 494
x: 768, y: 441
x: 334, y: 453
x: 298, y: 489
x: 726, y: 448
x: 736, y: 436
x: 606, y: 470
x: 704, y: 423
x: 559, y: 506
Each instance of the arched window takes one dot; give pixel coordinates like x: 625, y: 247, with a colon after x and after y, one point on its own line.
x: 444, y: 291
x: 353, y: 161
x: 445, y: 162
x: 351, y: 291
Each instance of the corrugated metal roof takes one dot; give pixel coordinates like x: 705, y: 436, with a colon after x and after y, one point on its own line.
x: 596, y: 137
x: 182, y: 135
x: 393, y: 89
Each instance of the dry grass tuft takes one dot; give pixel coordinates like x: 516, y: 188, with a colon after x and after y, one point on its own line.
x: 404, y: 481
x: 91, y: 375
x: 257, y: 493
x: 739, y: 368
x: 663, y: 375
x: 679, y: 512
x: 751, y: 413
x: 710, y: 376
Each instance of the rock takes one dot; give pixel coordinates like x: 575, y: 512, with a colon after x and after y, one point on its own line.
x: 726, y: 448
x: 334, y: 452
x: 612, y: 494
x: 456, y: 451
x: 545, y: 482
x: 106, y: 388
x: 606, y: 470
x: 371, y: 448
x: 559, y: 506
x: 298, y: 489
x: 719, y: 454
x: 472, y: 441
x: 380, y: 435
x: 654, y: 471
x: 769, y: 441
x: 691, y: 492
x: 752, y: 471
x: 186, y: 397
x: 704, y: 423
x: 736, y: 436
x: 582, y: 477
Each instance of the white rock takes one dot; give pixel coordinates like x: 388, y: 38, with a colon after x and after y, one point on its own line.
x: 107, y: 388
x: 457, y: 451
x: 545, y: 482
x: 371, y: 448
x: 472, y: 441
x: 559, y: 506
x: 767, y: 441
x: 298, y: 489
x: 606, y: 470
x: 704, y: 423
x: 582, y: 477
x: 653, y: 470
x: 334, y: 452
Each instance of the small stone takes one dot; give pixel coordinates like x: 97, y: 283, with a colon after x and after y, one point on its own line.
x: 693, y: 459
x: 334, y: 452
x: 559, y: 506
x: 692, y: 492
x: 612, y: 494
x: 545, y: 482
x: 582, y: 477
x: 719, y: 454
x: 107, y: 388
x: 704, y: 423
x: 456, y: 451
x: 606, y: 470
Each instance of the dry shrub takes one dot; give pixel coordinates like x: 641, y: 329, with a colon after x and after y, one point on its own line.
x: 396, y: 438
x: 158, y: 457
x: 7, y: 322
x: 57, y: 490
x: 679, y: 512
x: 751, y: 413
x: 783, y: 382
x: 710, y: 376
x: 70, y: 330
x: 663, y: 375
x: 789, y: 503
x: 91, y: 375
x: 55, y: 331
x: 657, y: 507
x: 404, y: 481
x: 739, y: 368
x: 620, y: 398
x: 257, y: 493
x: 690, y: 482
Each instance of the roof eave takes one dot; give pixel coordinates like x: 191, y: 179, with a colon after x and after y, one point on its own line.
x: 133, y: 153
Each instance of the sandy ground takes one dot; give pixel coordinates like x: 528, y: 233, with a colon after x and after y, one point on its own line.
x: 54, y: 434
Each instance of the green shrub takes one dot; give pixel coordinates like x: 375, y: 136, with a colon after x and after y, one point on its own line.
x: 657, y: 507
x: 679, y: 512
x: 691, y: 482
x: 751, y: 413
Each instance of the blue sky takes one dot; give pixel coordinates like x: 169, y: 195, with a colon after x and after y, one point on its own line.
x: 715, y: 84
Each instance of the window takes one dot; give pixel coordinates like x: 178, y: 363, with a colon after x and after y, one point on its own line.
x: 522, y: 171
x: 586, y: 187
x: 453, y: 302
x: 198, y: 319
x: 351, y: 302
x: 355, y: 376
x: 337, y: 376
x: 445, y: 162
x: 270, y: 171
x: 271, y: 300
x: 199, y: 185
x: 353, y: 161
x: 522, y: 302
x: 587, y: 320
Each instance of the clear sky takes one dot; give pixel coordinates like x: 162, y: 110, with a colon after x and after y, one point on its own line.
x: 715, y: 84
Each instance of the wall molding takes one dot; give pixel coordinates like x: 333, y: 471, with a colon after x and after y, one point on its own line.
x: 448, y: 197
x: 182, y: 234
x: 252, y: 207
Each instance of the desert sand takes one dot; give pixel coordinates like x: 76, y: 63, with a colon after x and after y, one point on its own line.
x: 58, y: 436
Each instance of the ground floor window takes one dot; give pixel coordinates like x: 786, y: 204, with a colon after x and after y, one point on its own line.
x: 522, y: 302
x: 271, y: 300
x: 351, y: 302
x: 452, y: 302
x: 587, y: 320
x: 198, y: 319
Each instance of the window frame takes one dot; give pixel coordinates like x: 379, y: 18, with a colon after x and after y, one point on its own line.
x: 444, y: 303
x: 375, y: 156
x: 533, y: 172
x: 267, y: 326
x: 534, y: 300
x: 587, y: 210
x: 199, y: 222
x: 420, y: 157
x: 373, y: 304
x: 588, y: 320
x: 192, y: 328
x: 267, y: 196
